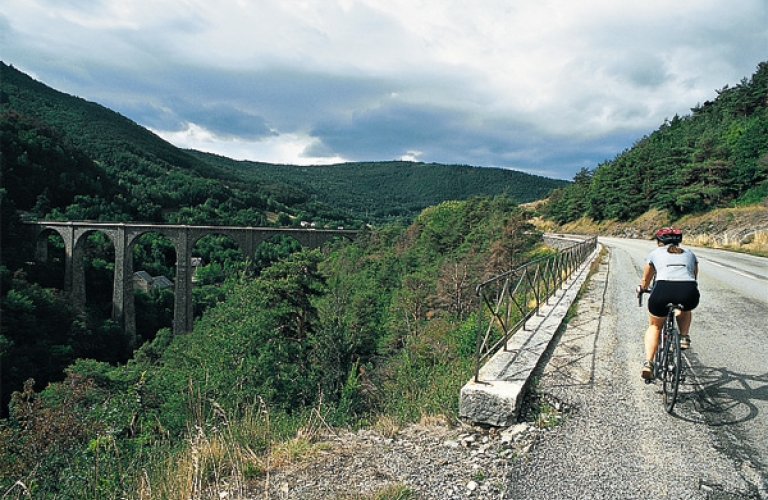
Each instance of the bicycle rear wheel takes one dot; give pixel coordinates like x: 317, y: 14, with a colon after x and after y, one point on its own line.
x: 671, y: 370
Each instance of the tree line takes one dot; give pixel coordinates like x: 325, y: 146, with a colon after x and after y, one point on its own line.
x: 129, y: 173
x: 715, y: 157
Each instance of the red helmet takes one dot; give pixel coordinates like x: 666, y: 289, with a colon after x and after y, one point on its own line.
x: 668, y: 235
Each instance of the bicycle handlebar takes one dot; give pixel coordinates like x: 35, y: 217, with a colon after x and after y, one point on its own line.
x: 640, y: 291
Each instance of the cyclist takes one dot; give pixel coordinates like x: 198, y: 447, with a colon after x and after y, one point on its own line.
x: 675, y: 270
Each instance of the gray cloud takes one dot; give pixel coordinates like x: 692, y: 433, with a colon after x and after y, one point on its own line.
x: 548, y: 87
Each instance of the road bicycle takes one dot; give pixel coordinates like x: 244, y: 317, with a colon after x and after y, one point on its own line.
x: 668, y: 360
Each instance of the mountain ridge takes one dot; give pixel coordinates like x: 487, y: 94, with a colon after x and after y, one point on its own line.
x: 159, y: 178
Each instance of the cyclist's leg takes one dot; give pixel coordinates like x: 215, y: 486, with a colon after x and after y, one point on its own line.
x: 657, y: 312
x: 652, y: 335
x: 651, y: 341
x: 684, y: 325
x: 689, y: 298
x: 684, y: 322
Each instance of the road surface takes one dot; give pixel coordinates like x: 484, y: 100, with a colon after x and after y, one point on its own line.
x: 618, y: 443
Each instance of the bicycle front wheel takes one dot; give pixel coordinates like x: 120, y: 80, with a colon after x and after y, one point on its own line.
x: 671, y: 370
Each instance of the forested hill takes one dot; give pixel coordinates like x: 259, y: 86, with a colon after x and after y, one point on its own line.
x: 715, y: 157
x: 382, y: 190
x: 66, y: 157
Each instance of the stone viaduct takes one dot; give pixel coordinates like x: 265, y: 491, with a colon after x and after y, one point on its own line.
x: 125, y: 235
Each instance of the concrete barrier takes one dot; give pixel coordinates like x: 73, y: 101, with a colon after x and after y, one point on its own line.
x: 496, y: 399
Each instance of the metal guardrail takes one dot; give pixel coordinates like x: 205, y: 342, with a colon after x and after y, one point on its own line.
x: 510, y: 299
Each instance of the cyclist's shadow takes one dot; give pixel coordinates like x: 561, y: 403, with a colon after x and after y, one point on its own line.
x: 721, y: 396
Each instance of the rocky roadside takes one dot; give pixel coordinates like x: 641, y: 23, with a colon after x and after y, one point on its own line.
x: 435, y: 461
x: 739, y: 228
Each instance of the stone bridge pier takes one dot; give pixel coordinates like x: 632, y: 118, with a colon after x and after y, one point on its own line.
x: 125, y: 235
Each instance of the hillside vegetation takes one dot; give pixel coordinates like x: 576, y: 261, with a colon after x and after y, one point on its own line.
x: 65, y: 158
x: 383, y: 326
x: 372, y: 332
x: 713, y: 158
x: 380, y: 328
x: 387, y: 191
x: 68, y: 158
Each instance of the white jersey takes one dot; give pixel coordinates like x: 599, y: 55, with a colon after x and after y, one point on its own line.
x: 673, y: 266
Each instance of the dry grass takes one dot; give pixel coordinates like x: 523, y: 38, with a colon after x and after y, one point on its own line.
x: 386, y: 426
x: 304, y: 445
x: 394, y: 491
x: 295, y: 450
x: 439, y: 420
x: 219, y: 462
x: 213, y: 465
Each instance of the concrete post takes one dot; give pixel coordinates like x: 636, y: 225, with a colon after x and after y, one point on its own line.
x: 182, y: 309
x: 76, y: 276
x: 122, y: 289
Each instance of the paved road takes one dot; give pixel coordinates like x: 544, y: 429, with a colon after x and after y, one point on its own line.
x: 618, y: 443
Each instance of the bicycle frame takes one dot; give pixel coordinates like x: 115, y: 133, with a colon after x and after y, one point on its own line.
x: 667, y: 361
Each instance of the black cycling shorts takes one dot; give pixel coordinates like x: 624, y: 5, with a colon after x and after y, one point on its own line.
x: 685, y: 293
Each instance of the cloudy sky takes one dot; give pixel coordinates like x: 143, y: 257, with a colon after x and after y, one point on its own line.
x: 543, y: 86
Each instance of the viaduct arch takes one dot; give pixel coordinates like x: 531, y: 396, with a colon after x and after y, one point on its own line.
x: 183, y: 237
